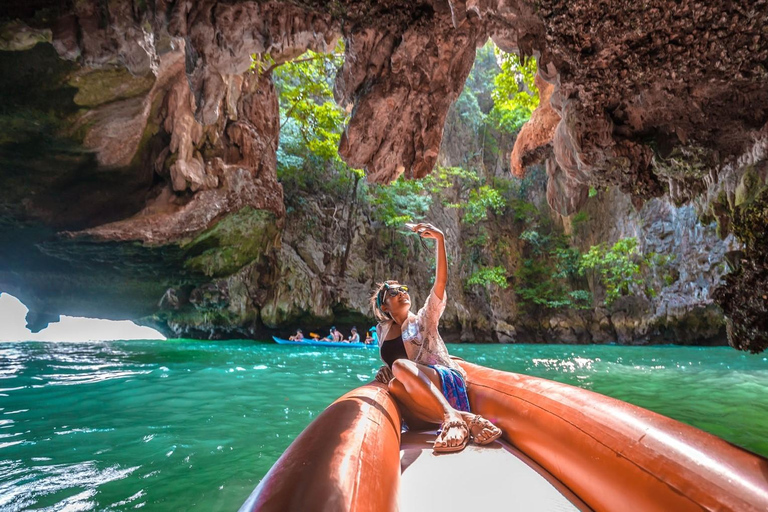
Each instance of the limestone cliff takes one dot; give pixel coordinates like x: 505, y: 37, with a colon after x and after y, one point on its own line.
x: 131, y: 131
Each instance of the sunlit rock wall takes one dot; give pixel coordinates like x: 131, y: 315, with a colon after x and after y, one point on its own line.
x: 145, y: 126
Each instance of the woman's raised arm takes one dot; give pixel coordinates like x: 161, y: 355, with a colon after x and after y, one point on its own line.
x: 441, y: 268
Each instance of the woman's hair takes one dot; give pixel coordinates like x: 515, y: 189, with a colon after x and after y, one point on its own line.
x: 378, y: 298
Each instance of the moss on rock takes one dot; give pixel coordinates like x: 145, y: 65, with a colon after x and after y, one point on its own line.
x: 233, y: 243
x: 748, y: 188
x: 743, y: 295
x: 17, y: 36
x: 100, y: 86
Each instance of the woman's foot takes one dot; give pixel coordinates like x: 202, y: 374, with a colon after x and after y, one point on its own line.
x: 482, y: 430
x: 453, y: 436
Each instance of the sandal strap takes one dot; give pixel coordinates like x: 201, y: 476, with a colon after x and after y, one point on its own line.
x: 478, y: 420
x: 456, y: 423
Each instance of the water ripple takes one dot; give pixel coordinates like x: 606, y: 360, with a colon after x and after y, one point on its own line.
x: 179, y: 425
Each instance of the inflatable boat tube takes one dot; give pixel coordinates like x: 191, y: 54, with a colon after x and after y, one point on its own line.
x: 609, y: 454
x: 348, y: 458
x: 614, y: 455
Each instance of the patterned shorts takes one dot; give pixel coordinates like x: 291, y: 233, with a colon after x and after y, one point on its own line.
x: 454, y: 387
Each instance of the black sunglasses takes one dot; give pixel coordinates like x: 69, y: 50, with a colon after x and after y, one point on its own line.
x: 394, y: 291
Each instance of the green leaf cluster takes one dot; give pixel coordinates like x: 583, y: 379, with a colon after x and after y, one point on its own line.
x: 312, y: 124
x: 400, y: 202
x: 306, y: 97
x: 261, y: 63
x: 474, y: 198
x: 549, y: 275
x: 442, y: 178
x: 619, y: 266
x: 486, y: 276
x: 515, y: 96
x: 480, y: 201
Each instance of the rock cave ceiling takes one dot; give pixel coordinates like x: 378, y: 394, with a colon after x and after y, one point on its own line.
x: 654, y: 97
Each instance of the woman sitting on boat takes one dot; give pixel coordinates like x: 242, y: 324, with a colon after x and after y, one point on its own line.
x: 427, y: 383
x: 297, y: 337
x: 354, y: 337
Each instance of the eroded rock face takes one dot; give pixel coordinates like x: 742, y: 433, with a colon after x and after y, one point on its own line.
x: 658, y: 97
x: 636, y: 80
x: 399, y: 88
x: 177, y: 133
x: 653, y: 97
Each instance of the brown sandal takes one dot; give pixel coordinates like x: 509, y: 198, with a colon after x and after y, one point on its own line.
x: 458, y: 447
x: 484, y: 424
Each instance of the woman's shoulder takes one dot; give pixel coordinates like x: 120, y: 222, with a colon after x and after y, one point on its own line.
x: 383, y: 329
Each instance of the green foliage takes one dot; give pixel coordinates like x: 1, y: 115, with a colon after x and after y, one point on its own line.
x: 618, y: 266
x: 480, y: 82
x: 592, y: 191
x: 567, y: 261
x: 524, y: 211
x: 579, y: 218
x: 579, y: 222
x: 306, y: 97
x: 442, y: 178
x: 475, y: 101
x: 480, y: 241
x: 549, y: 276
x: 312, y: 123
x: 400, y: 202
x: 515, y: 96
x: 538, y: 286
x: 261, y: 63
x: 468, y: 109
x: 480, y: 201
x: 549, y: 272
x: 485, y: 276
x: 581, y: 297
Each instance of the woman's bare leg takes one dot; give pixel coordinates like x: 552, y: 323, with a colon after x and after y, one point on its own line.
x: 424, y: 399
x: 417, y: 388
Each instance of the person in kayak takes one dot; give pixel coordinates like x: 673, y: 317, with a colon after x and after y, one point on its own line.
x: 354, y: 337
x: 334, y: 335
x: 419, y: 372
x: 299, y: 336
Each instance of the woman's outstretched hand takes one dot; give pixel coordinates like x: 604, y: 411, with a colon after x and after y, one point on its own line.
x: 385, y: 375
x: 426, y: 230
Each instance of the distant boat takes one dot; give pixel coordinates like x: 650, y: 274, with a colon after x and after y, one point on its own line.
x: 319, y: 343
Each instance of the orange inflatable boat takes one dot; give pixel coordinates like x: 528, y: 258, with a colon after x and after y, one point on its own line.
x: 563, y: 448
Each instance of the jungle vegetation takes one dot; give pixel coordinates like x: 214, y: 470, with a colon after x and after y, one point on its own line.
x: 508, y: 241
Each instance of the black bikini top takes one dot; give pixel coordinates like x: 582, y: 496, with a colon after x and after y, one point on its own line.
x: 393, y: 349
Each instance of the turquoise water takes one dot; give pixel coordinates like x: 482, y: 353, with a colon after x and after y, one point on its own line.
x: 180, y: 424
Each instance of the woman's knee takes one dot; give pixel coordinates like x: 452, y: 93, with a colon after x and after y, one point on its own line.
x: 404, y: 368
x: 395, y: 386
